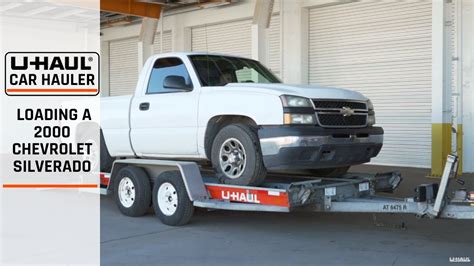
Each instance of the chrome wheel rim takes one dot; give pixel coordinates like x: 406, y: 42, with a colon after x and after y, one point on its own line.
x: 126, y: 192
x: 167, y: 199
x: 232, y: 158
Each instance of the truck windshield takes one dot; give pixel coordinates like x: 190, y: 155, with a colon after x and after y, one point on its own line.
x: 216, y: 70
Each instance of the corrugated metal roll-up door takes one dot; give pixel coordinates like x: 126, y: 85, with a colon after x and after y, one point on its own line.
x: 274, y: 50
x: 233, y: 38
x: 166, y: 43
x: 382, y: 49
x: 123, y: 62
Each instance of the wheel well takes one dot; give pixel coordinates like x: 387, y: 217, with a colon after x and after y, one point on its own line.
x: 216, y: 123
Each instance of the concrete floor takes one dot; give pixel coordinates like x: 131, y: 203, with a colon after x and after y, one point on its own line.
x: 238, y: 238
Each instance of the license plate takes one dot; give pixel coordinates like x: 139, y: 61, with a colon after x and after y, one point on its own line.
x: 363, y: 187
x: 330, y: 191
x: 395, y: 207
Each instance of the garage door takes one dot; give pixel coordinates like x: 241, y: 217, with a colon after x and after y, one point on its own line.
x: 166, y: 43
x: 232, y: 38
x: 274, y: 52
x: 235, y: 38
x: 124, y: 62
x: 382, y: 49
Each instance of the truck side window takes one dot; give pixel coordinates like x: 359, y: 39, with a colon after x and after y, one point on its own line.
x: 162, y: 68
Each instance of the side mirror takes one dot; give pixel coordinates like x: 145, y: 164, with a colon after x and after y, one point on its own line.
x: 176, y: 82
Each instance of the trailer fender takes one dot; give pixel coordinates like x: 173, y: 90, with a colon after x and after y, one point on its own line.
x: 190, y: 174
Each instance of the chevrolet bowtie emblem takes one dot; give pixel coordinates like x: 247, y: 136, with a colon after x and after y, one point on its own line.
x: 346, y: 111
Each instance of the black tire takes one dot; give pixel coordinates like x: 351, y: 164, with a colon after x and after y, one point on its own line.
x: 184, y: 208
x: 254, y: 171
x: 330, y: 172
x: 106, y: 160
x: 141, y: 186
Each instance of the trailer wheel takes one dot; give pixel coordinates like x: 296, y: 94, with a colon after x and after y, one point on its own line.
x: 170, y: 199
x: 132, y: 191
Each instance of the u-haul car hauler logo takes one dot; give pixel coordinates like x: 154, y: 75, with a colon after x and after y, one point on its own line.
x: 52, y: 73
x: 262, y: 196
x: 240, y: 196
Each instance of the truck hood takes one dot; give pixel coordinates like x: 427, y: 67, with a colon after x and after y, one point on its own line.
x: 313, y: 92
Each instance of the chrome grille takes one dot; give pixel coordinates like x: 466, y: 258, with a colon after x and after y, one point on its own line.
x: 340, y: 113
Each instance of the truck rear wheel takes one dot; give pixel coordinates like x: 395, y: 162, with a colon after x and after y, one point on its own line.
x: 170, y: 199
x: 132, y: 191
x: 236, y: 156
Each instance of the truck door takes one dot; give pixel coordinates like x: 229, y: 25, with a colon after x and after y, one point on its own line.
x: 164, y: 115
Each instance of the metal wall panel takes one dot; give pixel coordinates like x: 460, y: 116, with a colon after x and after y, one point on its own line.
x: 383, y: 50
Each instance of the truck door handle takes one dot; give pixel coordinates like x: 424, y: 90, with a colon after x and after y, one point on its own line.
x: 144, y: 106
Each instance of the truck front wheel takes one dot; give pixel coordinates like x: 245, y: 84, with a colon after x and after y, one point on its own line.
x: 236, y: 156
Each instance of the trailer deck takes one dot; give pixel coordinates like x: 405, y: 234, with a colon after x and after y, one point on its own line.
x: 351, y: 193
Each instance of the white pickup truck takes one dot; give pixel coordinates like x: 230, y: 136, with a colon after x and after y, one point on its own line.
x: 234, y: 112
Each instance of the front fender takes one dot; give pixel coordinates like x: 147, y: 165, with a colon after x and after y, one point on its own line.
x: 262, y: 108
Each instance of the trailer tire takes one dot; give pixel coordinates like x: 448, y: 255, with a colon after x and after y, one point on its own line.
x: 247, y: 147
x: 132, y: 191
x: 170, y: 199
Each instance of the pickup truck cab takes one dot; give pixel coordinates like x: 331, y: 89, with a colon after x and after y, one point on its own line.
x: 234, y: 112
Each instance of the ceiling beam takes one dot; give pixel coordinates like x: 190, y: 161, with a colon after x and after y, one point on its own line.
x: 131, y: 7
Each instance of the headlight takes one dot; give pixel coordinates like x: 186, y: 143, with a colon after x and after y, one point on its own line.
x: 299, y: 119
x: 297, y: 110
x: 371, y: 116
x: 370, y: 106
x: 295, y: 101
x: 371, y: 120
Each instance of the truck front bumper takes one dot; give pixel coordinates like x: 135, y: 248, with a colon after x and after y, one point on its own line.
x: 310, y: 147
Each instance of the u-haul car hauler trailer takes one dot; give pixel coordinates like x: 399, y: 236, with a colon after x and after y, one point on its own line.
x: 180, y: 186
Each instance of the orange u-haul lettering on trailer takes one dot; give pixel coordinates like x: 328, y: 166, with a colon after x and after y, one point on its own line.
x: 246, y: 195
